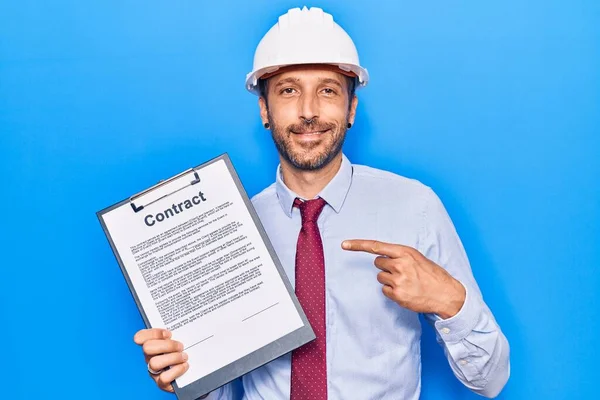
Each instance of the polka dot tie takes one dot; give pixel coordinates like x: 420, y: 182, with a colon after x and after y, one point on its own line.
x: 309, y: 368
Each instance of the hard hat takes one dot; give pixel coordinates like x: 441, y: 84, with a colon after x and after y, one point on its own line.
x: 307, y: 36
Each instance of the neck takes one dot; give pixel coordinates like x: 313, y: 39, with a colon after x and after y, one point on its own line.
x: 308, y: 184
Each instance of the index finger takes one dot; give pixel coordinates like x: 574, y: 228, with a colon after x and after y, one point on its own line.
x: 142, y: 336
x: 375, y: 247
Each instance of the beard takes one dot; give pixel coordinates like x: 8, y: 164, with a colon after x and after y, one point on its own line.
x: 315, y: 154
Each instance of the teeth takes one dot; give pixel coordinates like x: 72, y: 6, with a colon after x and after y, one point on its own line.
x: 310, y: 133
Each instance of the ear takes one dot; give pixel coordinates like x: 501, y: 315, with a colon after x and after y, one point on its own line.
x: 264, y: 113
x: 352, y: 111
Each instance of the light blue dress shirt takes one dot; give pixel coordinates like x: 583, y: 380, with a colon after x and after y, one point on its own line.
x: 373, y: 344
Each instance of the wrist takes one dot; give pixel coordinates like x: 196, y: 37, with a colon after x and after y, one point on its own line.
x: 453, y: 301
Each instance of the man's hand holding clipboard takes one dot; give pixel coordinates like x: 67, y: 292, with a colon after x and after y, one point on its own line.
x: 207, y: 282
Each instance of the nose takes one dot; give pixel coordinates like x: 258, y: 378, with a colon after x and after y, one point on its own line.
x: 309, y: 107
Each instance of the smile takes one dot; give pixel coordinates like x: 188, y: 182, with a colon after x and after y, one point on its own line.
x: 310, y: 133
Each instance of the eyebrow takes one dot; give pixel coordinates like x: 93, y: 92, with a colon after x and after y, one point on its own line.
x: 286, y: 80
x: 330, y: 81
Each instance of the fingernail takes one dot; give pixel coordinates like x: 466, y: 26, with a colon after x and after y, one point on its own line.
x: 180, y: 346
x: 185, y: 356
x: 166, y: 334
x: 345, y: 245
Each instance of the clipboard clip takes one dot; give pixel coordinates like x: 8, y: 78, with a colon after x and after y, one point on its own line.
x: 162, y: 183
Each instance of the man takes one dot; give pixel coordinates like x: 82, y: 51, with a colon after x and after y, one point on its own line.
x: 366, y: 250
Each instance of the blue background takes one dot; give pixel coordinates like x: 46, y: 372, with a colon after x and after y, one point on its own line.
x: 496, y: 105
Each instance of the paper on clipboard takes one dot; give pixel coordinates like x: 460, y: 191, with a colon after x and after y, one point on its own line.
x: 199, y: 263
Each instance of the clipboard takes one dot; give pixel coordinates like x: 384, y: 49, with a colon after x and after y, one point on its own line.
x: 145, y: 200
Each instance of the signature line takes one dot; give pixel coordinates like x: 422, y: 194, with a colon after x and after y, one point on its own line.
x: 273, y: 305
x: 189, y: 347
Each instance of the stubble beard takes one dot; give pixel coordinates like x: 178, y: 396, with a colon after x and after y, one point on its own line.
x: 303, y: 158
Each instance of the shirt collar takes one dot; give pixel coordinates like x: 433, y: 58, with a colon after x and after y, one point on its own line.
x: 334, y: 193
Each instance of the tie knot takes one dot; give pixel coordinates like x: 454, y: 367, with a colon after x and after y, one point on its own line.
x: 310, y: 209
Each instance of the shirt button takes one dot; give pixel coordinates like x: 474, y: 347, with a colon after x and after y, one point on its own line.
x: 445, y: 330
x: 463, y: 362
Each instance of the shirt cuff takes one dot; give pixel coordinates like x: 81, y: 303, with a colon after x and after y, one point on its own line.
x: 457, y: 327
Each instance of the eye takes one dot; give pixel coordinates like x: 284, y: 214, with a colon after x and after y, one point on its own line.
x: 329, y: 91
x: 288, y: 90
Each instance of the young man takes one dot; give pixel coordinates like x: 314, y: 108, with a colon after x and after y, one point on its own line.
x: 365, y: 249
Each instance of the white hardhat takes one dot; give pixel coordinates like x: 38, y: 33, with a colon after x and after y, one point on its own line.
x: 307, y: 36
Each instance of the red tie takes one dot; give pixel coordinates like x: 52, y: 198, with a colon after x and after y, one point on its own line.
x: 309, y: 367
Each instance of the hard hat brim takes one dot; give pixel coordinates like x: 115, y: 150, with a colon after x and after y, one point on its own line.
x: 267, y: 72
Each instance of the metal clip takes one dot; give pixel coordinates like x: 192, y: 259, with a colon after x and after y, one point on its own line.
x: 162, y: 183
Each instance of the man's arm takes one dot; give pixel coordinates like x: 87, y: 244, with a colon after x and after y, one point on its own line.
x: 436, y: 280
x: 476, y: 349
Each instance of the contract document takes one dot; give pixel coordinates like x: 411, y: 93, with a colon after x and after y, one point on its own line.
x: 199, y: 263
